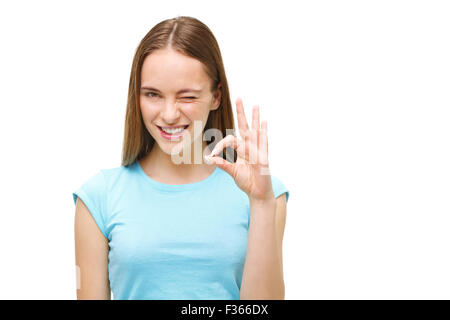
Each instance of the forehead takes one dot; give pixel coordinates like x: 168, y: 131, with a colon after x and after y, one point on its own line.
x: 169, y: 70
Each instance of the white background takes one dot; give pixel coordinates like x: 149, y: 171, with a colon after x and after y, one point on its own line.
x: 356, y: 94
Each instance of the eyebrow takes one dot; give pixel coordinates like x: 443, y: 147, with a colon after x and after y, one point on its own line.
x: 179, y: 91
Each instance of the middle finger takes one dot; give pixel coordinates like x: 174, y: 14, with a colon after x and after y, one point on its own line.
x: 255, y: 118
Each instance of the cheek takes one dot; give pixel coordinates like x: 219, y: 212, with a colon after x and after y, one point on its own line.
x: 194, y: 110
x: 190, y: 110
x: 147, y: 111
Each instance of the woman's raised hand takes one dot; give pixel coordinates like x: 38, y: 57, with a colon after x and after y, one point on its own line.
x: 251, y: 169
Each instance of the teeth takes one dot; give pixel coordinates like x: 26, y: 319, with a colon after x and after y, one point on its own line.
x: 173, y: 131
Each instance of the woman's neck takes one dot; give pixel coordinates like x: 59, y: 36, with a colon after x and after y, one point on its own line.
x: 160, y: 166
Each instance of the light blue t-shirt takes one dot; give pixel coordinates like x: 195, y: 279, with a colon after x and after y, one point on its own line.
x: 171, y: 242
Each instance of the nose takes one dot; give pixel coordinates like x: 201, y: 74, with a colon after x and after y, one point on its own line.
x: 170, y: 112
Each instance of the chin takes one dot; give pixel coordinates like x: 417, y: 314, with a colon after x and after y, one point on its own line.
x: 175, y: 149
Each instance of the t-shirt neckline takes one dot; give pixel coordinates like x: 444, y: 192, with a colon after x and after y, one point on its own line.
x: 176, y: 187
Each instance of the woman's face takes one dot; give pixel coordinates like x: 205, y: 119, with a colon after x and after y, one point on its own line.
x: 175, y: 91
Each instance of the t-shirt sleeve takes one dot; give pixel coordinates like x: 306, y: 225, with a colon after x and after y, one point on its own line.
x: 93, y: 194
x: 279, y: 188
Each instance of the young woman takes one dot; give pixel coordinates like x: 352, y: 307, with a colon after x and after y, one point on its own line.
x: 171, y: 222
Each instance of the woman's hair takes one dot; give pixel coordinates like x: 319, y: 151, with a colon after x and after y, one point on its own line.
x: 191, y: 37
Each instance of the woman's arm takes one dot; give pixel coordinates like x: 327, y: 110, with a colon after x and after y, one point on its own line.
x: 91, y: 257
x: 263, y: 270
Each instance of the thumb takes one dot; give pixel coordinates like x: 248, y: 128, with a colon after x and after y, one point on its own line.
x: 221, y: 163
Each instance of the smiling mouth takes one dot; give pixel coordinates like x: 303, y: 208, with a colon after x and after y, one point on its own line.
x: 175, y: 127
x: 173, y: 134
x: 184, y: 127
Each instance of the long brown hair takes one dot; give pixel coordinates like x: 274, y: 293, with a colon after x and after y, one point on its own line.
x: 191, y: 37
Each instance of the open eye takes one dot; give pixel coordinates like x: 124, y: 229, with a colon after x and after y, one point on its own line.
x: 147, y: 94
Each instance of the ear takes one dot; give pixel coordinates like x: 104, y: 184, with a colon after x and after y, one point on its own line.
x: 217, y: 97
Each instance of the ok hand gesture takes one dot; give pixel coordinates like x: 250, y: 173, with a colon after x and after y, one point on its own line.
x: 251, y: 169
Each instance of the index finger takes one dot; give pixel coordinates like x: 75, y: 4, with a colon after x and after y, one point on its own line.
x: 242, y: 120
